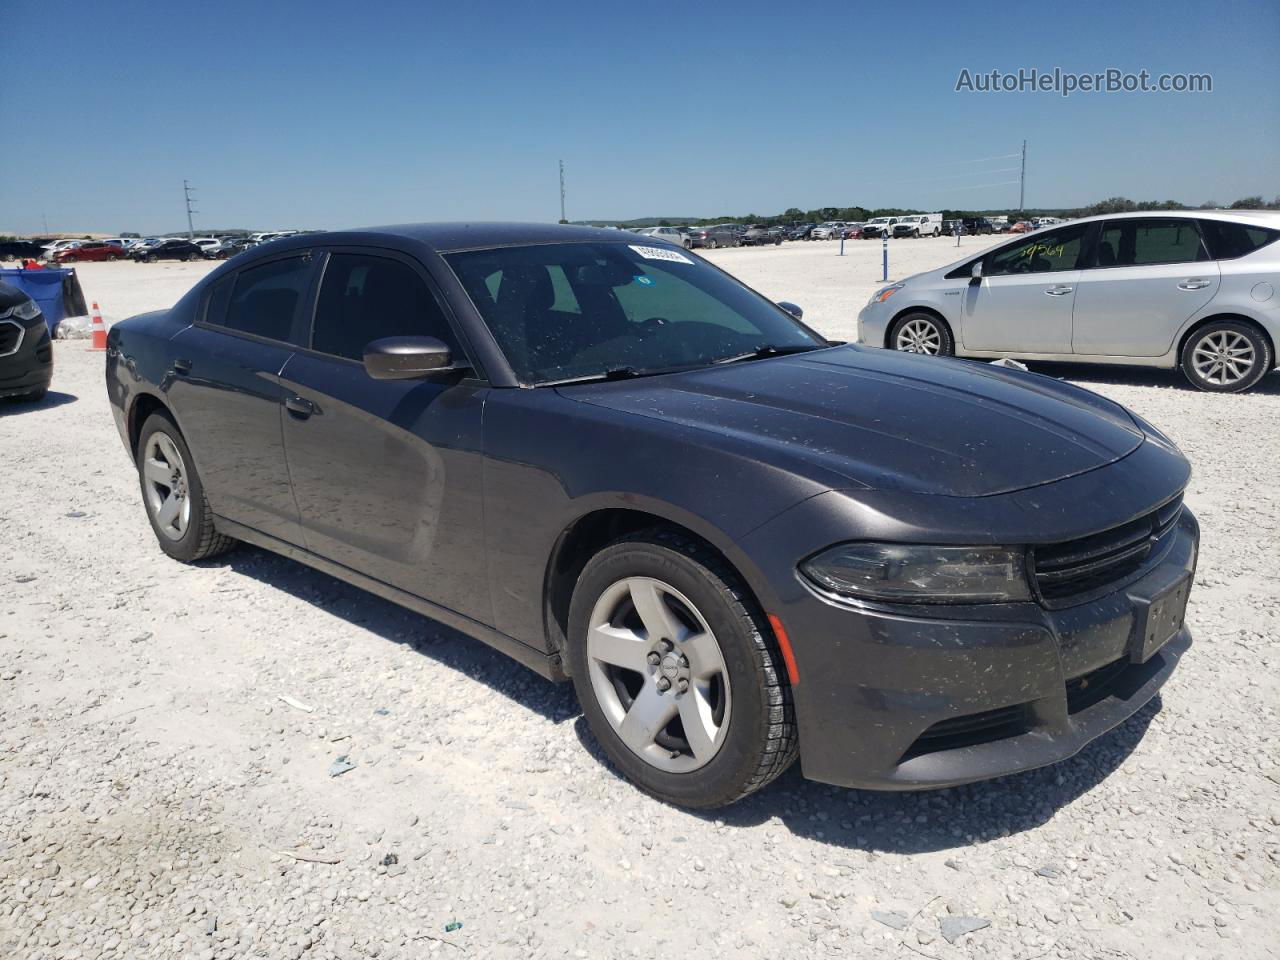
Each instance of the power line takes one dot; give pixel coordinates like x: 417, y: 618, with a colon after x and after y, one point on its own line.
x: 979, y: 186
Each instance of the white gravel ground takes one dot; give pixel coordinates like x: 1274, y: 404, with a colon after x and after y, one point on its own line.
x: 160, y: 798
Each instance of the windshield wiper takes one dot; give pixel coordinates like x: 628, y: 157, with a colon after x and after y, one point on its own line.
x: 612, y: 373
x: 767, y: 350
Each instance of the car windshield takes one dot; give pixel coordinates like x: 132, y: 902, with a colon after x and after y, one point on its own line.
x: 584, y: 310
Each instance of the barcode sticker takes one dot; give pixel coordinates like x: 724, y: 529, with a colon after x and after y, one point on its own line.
x: 659, y: 253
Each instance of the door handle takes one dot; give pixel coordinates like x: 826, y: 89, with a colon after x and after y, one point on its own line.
x: 300, y: 407
x: 1061, y: 290
x: 181, y: 367
x: 1193, y: 284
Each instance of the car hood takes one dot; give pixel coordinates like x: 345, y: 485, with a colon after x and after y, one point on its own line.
x: 879, y: 419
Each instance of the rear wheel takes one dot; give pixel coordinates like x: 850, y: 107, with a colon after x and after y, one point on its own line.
x: 150, y: 258
x: 173, y: 494
x: 1226, y: 356
x: 921, y: 333
x: 678, y: 673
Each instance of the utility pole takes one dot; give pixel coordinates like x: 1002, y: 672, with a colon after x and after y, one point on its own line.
x: 1022, y: 179
x: 186, y: 190
x: 562, y: 216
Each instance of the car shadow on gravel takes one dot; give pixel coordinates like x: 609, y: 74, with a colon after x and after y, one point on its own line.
x: 928, y: 821
x: 10, y: 406
x: 1107, y: 375
x: 554, y: 701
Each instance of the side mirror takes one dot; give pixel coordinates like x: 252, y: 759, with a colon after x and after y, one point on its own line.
x: 975, y: 274
x: 407, y: 358
x: 792, y: 309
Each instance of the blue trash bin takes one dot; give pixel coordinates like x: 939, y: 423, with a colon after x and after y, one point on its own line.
x: 45, y: 287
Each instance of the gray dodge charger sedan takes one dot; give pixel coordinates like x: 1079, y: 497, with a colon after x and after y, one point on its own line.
x: 611, y: 460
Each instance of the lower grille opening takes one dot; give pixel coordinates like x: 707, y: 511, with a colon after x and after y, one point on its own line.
x: 969, y: 730
x: 1086, y: 690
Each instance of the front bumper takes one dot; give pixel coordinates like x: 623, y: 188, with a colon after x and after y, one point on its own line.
x: 919, y: 698
x: 30, y: 368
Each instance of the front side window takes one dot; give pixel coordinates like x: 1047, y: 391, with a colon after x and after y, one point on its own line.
x: 364, y: 298
x: 1042, y: 253
x: 563, y: 311
x: 263, y: 300
x: 1140, y: 242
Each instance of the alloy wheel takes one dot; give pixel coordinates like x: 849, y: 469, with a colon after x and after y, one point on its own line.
x: 1223, y: 357
x: 658, y: 674
x: 164, y: 476
x: 919, y: 335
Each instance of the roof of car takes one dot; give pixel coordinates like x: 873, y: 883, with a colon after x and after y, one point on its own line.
x: 446, y: 237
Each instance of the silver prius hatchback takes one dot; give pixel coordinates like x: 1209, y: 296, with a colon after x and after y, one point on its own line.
x: 1197, y: 290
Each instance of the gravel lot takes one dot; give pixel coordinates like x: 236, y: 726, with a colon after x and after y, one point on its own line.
x: 166, y: 736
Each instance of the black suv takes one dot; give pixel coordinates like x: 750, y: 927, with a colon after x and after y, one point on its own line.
x: 978, y: 225
x: 168, y: 250
x: 26, y: 355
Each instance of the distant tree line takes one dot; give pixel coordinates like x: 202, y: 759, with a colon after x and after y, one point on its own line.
x: 796, y: 215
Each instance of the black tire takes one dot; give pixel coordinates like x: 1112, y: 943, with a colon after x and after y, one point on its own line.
x: 946, y: 343
x: 712, y: 243
x: 192, y: 257
x: 760, y: 741
x: 200, y: 540
x: 150, y: 258
x: 1232, y: 330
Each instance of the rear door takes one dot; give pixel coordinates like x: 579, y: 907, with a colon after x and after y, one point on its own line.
x: 387, y: 474
x: 1023, y: 304
x: 1147, y: 277
x: 227, y: 395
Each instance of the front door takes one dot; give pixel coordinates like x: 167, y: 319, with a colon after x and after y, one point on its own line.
x: 388, y: 474
x: 226, y: 392
x: 1023, y: 304
x: 1148, y: 277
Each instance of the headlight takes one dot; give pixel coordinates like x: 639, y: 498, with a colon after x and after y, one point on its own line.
x: 27, y: 310
x: 921, y: 573
x: 882, y: 295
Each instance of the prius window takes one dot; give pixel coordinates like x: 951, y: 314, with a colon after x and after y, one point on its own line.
x: 1049, y: 252
x: 366, y: 298
x: 1139, y: 242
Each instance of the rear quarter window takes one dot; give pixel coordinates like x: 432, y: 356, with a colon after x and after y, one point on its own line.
x: 1227, y: 240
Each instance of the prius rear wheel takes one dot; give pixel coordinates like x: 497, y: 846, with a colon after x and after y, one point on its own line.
x: 678, y: 673
x: 1226, y: 357
x: 173, y: 494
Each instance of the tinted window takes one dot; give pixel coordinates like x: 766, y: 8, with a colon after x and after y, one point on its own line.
x: 1041, y: 253
x: 1229, y: 240
x: 263, y: 300
x: 1136, y: 243
x: 366, y: 298
x: 569, y: 310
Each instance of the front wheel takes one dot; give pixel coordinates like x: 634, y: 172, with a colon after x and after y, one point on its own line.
x: 921, y: 333
x: 678, y: 672
x: 1226, y: 357
x: 173, y: 494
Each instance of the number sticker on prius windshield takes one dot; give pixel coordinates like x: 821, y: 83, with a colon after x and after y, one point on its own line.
x: 659, y: 253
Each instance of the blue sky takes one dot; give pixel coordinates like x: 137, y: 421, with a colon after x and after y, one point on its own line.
x: 327, y: 114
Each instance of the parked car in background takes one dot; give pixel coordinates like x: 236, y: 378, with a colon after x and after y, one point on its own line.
x: 800, y: 231
x: 827, y: 230
x: 88, y: 251
x: 719, y: 235
x: 57, y: 246
x: 228, y: 248
x: 1192, y: 290
x: 918, y: 225
x: 26, y: 355
x: 21, y: 250
x: 853, y: 231
x: 669, y: 234
x: 878, y: 227
x: 949, y: 227
x: 169, y: 249
x: 978, y: 225
x: 1022, y: 226
x: 779, y: 232
x: 758, y: 234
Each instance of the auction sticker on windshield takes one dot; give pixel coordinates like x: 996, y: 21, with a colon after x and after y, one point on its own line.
x: 658, y: 253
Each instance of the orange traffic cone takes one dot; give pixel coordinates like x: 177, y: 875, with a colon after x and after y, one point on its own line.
x: 98, y: 329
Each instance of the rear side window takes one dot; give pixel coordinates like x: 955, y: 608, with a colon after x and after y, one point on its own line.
x: 1137, y: 243
x: 262, y: 301
x: 1230, y: 240
x: 365, y: 298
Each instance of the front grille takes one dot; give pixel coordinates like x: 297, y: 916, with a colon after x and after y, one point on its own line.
x: 966, y: 731
x: 10, y: 337
x: 1080, y: 566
